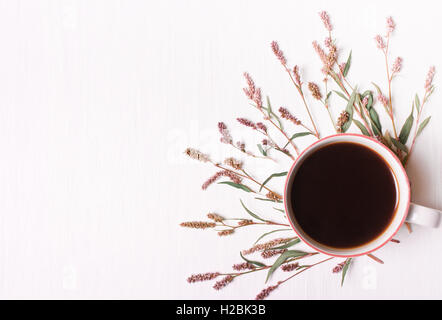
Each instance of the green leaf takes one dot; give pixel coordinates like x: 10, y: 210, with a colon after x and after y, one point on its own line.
x: 423, y: 125
x: 236, y: 185
x: 399, y: 145
x: 297, y: 135
x: 269, y: 200
x: 377, y: 88
x: 328, y: 97
x: 341, y: 95
x: 251, y: 213
x: 271, y: 113
x: 417, y: 102
x: 375, y: 123
x: 280, y: 210
x: 287, y: 245
x: 264, y: 153
x: 370, y: 99
x: 256, y: 263
x: 361, y: 127
x: 344, y: 270
x: 347, y: 65
x: 266, y: 234
x: 349, y: 110
x: 283, y: 258
x: 281, y: 174
x: 406, y: 128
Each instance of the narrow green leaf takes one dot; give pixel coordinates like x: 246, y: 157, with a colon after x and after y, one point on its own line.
x: 287, y: 245
x: 375, y: 123
x: 283, y: 258
x: 281, y: 174
x: 347, y: 65
x: 423, y: 125
x: 266, y: 234
x: 297, y: 135
x: 361, y: 127
x: 328, y: 97
x: 236, y: 185
x: 399, y: 145
x: 417, y: 102
x: 406, y: 128
x: 345, y: 269
x: 256, y: 263
x: 377, y: 88
x: 269, y: 200
x: 280, y: 210
x: 341, y: 95
x: 264, y: 153
x: 251, y: 213
x: 349, y: 110
x: 271, y: 113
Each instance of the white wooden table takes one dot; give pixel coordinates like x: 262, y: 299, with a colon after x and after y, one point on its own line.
x: 98, y: 100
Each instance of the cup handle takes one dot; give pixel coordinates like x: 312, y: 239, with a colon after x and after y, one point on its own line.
x: 423, y: 216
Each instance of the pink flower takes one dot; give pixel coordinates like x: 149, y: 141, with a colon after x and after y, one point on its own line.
x: 339, y: 267
x: 430, y: 76
x: 202, y: 277
x: 326, y: 20
x: 266, y: 292
x: 380, y: 42
x: 390, y: 26
x: 297, y: 76
x: 397, y: 66
x: 285, y: 114
x: 226, y: 137
x: 235, y: 178
x: 328, y: 42
x: 383, y: 99
x: 247, y: 123
x: 252, y: 92
x: 290, y: 267
x: 222, y: 283
x: 278, y: 53
x: 243, y: 266
x: 364, y: 102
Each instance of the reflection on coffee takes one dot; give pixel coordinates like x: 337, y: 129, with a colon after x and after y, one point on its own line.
x: 343, y: 195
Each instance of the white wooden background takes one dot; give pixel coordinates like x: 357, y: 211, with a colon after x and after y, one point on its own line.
x: 98, y: 100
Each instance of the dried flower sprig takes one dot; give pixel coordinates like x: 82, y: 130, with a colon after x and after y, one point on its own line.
x: 226, y: 138
x: 251, y: 94
x: 296, y: 80
x: 358, y: 104
x: 235, y: 175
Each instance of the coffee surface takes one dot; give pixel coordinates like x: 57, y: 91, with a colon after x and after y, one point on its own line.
x: 343, y: 195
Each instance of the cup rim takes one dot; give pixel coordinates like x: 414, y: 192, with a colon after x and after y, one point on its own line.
x: 370, y: 250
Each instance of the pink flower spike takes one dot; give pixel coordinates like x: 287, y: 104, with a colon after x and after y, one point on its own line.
x: 278, y: 53
x: 225, y: 134
x: 339, y: 267
x: 380, y: 42
x: 326, y: 20
x: 397, y: 66
x: 266, y: 292
x: 223, y: 282
x: 430, y: 76
x: 247, y: 123
x: 390, y: 26
x: 382, y: 99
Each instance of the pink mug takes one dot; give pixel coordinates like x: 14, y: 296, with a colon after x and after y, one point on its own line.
x: 405, y: 210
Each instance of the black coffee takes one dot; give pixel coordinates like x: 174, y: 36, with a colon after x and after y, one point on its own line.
x: 343, y: 195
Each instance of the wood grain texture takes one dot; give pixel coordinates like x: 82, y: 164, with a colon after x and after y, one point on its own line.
x: 98, y: 100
